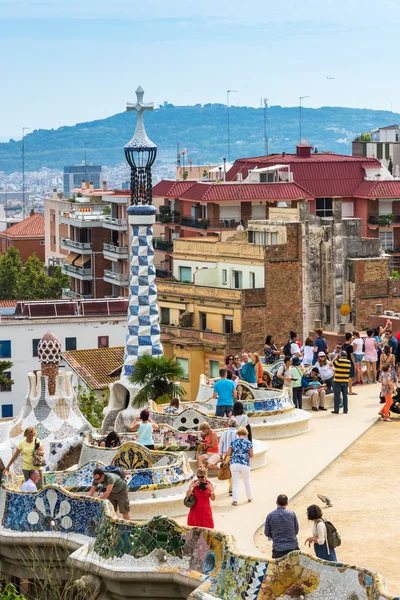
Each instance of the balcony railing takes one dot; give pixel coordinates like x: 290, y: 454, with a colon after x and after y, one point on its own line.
x: 70, y: 294
x: 168, y: 218
x: 92, y: 214
x: 80, y: 246
x: 160, y: 244
x: 120, y: 251
x: 212, y: 223
x: 118, y: 278
x: 73, y: 270
x: 163, y: 274
x: 114, y: 223
x: 383, y: 220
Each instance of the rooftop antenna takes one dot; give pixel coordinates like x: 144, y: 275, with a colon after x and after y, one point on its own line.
x: 301, y: 98
x: 85, y: 154
x: 228, y: 92
x: 23, y: 170
x: 178, y: 156
x: 265, y: 101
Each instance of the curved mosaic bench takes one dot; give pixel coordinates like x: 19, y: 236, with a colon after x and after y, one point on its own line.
x: 161, y: 546
x: 168, y: 439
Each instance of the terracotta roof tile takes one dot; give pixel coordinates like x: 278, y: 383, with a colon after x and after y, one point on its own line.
x: 379, y: 189
x: 168, y: 188
x: 95, y: 365
x: 217, y: 192
x: 8, y: 303
x: 32, y: 227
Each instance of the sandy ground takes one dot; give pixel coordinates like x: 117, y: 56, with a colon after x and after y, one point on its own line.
x: 364, y: 487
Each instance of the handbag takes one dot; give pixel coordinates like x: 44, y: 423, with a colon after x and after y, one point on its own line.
x: 224, y: 471
x: 38, y: 461
x: 189, y: 501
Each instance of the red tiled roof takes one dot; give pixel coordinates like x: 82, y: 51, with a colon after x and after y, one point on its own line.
x: 32, y: 227
x: 324, y: 175
x: 168, y: 188
x: 8, y: 303
x: 96, y: 366
x: 220, y: 192
x: 378, y: 189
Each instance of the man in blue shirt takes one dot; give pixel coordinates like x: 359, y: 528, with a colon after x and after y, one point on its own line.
x: 225, y: 391
x: 282, y: 527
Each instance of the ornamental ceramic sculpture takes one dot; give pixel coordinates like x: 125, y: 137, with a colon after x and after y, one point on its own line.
x: 51, y: 408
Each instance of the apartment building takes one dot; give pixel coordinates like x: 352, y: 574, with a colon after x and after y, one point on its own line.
x: 382, y: 143
x: 78, y: 324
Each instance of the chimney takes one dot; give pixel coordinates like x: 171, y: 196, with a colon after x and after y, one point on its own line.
x: 32, y: 212
x: 379, y: 309
x: 104, y: 185
x: 303, y: 150
x: 84, y: 184
x: 91, y: 186
x: 55, y: 194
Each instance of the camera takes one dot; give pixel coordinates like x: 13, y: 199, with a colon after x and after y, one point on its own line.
x: 202, y: 485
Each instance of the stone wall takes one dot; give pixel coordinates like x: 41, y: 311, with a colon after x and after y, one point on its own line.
x: 254, y: 319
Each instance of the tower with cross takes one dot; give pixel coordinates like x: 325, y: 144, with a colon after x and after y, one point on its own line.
x: 144, y: 335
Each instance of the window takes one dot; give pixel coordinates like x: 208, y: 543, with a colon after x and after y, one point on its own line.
x: 379, y: 151
x: 323, y: 207
x: 224, y: 277
x: 5, y: 348
x: 103, y: 341
x: 252, y: 280
x: 387, y: 151
x: 164, y: 315
x: 6, y: 387
x: 7, y: 410
x: 70, y: 343
x: 273, y: 239
x: 202, y: 321
x: 227, y: 324
x: 250, y: 237
x: 185, y: 274
x: 237, y: 279
x: 35, y: 344
x: 386, y: 238
x: 184, y: 362
x: 327, y: 314
x: 213, y: 368
x: 385, y: 207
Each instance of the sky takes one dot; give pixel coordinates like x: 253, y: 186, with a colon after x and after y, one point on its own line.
x: 68, y: 61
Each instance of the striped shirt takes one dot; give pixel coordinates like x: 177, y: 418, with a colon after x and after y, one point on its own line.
x: 342, y: 370
x: 226, y: 439
x: 282, y: 526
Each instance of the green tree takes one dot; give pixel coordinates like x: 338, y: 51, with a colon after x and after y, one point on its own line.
x: 32, y: 282
x: 8, y: 592
x: 390, y: 165
x: 91, y: 406
x: 10, y: 269
x: 157, y: 377
x: 5, y: 365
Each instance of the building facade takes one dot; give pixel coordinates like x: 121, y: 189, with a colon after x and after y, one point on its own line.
x: 75, y: 175
x: 384, y: 144
x: 27, y: 237
x: 79, y: 325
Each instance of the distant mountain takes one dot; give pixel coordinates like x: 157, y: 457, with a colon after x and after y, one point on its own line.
x: 202, y: 130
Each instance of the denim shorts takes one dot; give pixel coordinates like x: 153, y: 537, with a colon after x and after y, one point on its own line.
x: 358, y: 357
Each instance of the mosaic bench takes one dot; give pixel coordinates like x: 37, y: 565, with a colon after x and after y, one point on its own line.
x: 207, y: 557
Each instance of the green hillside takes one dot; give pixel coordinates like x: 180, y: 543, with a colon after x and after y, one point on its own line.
x: 200, y: 129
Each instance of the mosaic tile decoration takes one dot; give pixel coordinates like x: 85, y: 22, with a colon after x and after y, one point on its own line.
x: 204, y: 555
x: 144, y: 335
x: 188, y: 420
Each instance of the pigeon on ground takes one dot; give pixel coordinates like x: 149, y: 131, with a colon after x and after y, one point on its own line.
x: 326, y: 500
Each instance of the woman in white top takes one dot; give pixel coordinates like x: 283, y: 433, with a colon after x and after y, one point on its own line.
x: 325, y: 370
x: 358, y: 356
x: 319, y: 535
x: 294, y: 346
x: 308, y: 352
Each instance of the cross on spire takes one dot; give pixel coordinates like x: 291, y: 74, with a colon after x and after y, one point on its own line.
x: 140, y: 139
x: 140, y: 106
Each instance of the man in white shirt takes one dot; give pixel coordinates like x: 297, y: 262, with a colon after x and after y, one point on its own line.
x: 30, y: 484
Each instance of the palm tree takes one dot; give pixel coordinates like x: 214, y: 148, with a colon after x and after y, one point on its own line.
x: 156, y: 375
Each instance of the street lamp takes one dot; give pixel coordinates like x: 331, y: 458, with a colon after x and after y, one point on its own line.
x: 227, y: 106
x: 301, y: 98
x: 23, y: 169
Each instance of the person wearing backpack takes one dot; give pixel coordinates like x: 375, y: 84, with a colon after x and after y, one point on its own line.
x: 115, y: 489
x: 320, y: 344
x: 297, y: 387
x: 324, y: 535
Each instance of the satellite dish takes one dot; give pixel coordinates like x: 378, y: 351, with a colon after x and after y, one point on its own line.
x: 345, y: 310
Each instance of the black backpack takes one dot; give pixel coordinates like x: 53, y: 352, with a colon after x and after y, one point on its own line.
x: 277, y: 383
x: 286, y: 349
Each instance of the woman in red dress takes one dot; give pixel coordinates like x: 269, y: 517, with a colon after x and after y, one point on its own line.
x: 200, y: 515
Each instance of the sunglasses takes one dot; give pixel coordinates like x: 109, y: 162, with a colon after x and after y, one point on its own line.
x: 202, y: 477
x: 236, y: 357
x: 97, y: 478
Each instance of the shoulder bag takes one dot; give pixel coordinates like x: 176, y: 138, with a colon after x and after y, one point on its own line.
x: 189, y: 501
x: 38, y: 461
x: 224, y: 471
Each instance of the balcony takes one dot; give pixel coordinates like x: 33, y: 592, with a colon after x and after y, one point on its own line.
x: 163, y: 245
x: 115, y: 224
x: 70, y: 294
x: 121, y: 279
x: 79, y: 247
x: 163, y: 274
x: 169, y: 218
x: 113, y: 252
x: 384, y: 220
x: 77, y: 272
x: 208, y: 224
x: 86, y: 216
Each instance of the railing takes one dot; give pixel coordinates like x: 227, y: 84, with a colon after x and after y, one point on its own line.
x: 112, y: 221
x: 75, y: 295
x: 161, y: 244
x: 212, y: 223
x: 166, y: 219
x: 383, y: 220
x: 163, y: 274
x: 76, y: 245
x: 91, y: 215
x: 120, y: 250
x: 76, y: 270
x: 118, y: 277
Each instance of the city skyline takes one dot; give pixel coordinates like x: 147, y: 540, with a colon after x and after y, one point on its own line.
x: 96, y: 54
